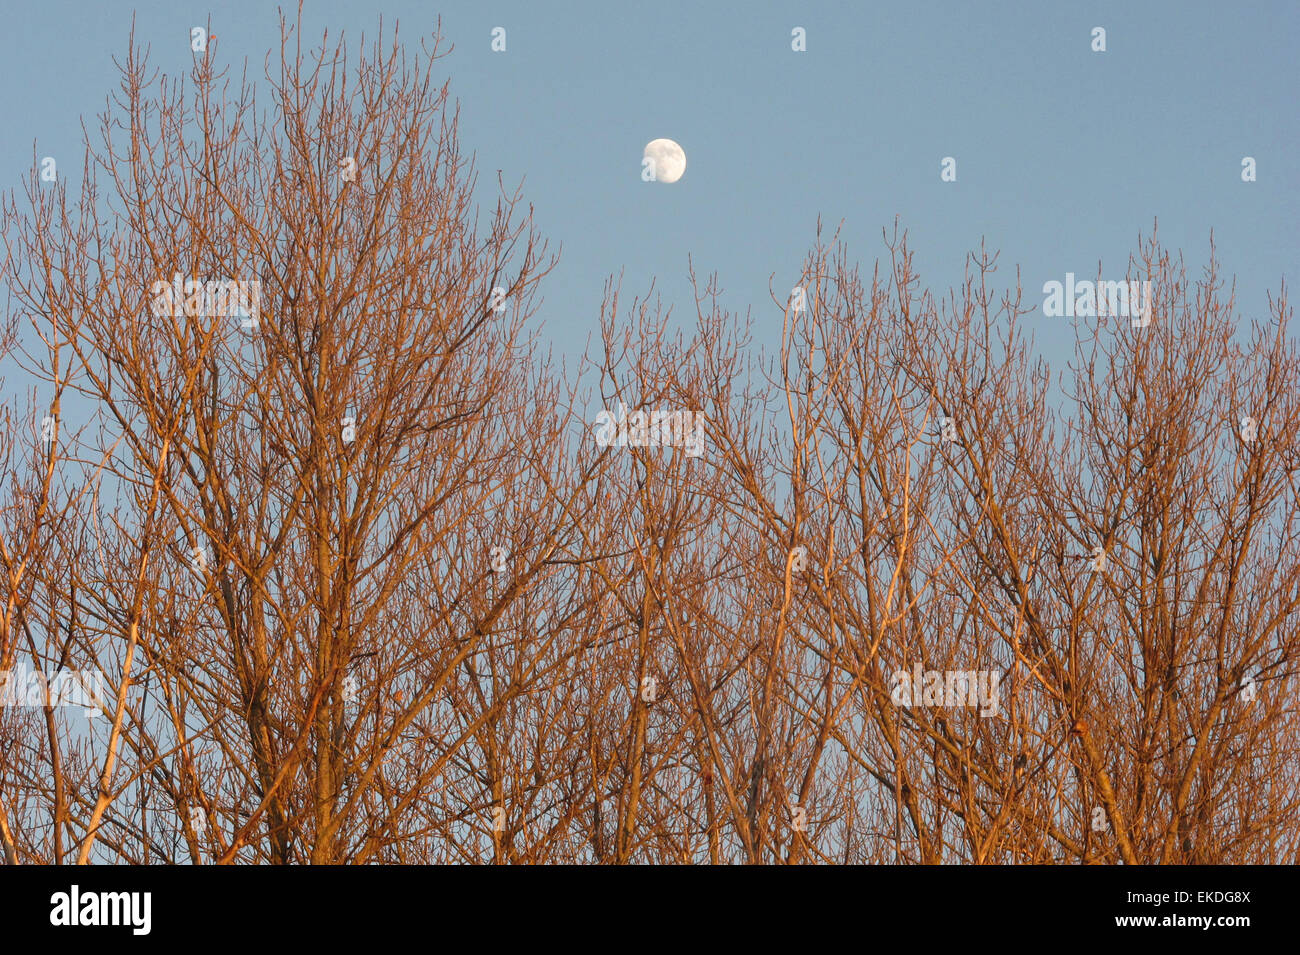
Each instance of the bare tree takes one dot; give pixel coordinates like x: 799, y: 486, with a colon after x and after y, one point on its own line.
x: 363, y: 573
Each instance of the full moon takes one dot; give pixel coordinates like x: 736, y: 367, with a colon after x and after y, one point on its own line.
x: 667, y: 160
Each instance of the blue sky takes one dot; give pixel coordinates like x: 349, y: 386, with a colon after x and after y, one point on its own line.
x: 1064, y: 155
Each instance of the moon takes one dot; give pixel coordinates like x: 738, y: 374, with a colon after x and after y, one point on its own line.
x: 668, y: 159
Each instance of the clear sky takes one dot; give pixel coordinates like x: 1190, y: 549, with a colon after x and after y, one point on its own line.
x: 1063, y: 155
